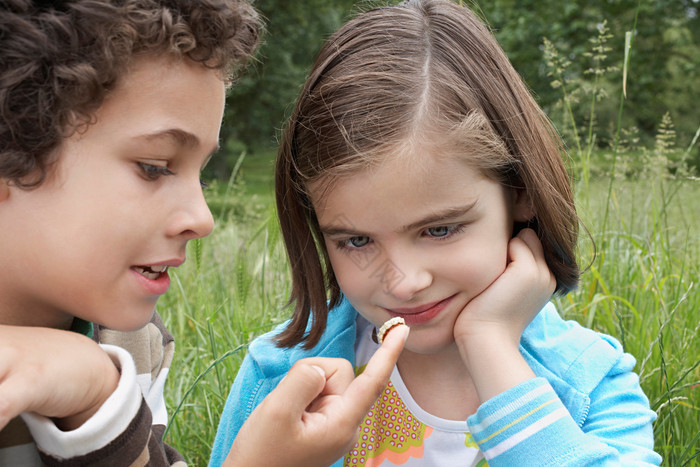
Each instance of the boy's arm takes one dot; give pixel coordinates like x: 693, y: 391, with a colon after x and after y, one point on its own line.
x: 65, y: 370
x: 151, y: 349
x: 117, y: 434
x: 58, y: 374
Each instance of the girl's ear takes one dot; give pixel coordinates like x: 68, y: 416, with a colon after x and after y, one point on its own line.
x: 523, y: 210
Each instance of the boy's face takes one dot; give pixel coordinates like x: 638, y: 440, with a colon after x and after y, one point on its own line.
x: 418, y: 238
x: 119, y: 205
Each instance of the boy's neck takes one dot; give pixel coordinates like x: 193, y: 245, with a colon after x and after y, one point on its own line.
x: 23, y: 315
x: 439, y: 383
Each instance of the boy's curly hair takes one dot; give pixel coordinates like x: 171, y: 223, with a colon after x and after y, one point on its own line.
x: 59, y: 59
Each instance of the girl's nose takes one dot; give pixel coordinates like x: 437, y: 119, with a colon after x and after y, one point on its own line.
x: 404, y: 279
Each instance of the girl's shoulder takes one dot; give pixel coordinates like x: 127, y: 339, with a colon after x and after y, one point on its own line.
x: 337, y: 341
x: 579, y: 356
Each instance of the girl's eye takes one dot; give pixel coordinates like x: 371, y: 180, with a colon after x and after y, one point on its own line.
x: 443, y: 231
x: 355, y: 242
x: 203, y: 184
x: 154, y: 172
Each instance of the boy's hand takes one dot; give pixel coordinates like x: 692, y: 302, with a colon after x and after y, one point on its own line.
x: 54, y: 373
x: 313, y: 416
x: 489, y: 329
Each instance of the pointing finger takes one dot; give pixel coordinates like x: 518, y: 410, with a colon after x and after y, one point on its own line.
x: 365, y: 389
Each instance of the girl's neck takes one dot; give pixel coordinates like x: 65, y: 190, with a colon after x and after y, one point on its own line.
x: 439, y: 383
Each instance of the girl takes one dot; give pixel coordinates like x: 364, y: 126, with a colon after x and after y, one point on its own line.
x: 418, y: 178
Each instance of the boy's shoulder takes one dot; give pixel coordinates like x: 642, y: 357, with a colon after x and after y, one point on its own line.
x: 152, y: 349
x: 579, y: 356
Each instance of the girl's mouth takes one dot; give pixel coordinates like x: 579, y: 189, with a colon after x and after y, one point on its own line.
x: 421, y: 314
x: 151, y: 272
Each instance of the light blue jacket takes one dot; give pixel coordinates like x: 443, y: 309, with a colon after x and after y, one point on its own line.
x: 584, y: 408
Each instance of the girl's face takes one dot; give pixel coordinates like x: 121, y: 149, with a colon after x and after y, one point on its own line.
x: 418, y: 237
x: 119, y: 206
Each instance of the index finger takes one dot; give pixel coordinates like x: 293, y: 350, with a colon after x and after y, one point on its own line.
x: 366, y: 388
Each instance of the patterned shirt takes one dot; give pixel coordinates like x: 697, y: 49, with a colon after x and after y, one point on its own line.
x: 397, y: 431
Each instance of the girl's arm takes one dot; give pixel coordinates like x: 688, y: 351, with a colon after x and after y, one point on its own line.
x: 522, y: 420
x: 489, y: 329
x: 529, y: 425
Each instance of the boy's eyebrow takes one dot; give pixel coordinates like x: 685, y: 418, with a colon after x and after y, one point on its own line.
x: 182, y: 137
x: 435, y: 217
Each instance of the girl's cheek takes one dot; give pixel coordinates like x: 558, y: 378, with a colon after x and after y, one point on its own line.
x: 347, y: 273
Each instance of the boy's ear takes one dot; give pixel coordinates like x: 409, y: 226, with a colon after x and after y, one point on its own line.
x: 523, y: 210
x: 4, y: 190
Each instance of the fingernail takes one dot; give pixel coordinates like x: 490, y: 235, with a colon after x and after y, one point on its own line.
x: 408, y: 330
x: 320, y: 370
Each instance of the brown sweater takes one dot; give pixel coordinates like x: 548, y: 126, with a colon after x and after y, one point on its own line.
x: 126, y: 431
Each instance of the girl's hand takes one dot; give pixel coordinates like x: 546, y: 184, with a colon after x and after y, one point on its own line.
x: 489, y: 328
x: 313, y: 416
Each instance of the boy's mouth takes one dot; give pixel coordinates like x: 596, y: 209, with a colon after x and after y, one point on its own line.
x: 151, y: 272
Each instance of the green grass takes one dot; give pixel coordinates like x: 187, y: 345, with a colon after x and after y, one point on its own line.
x: 641, y: 288
x: 639, y: 205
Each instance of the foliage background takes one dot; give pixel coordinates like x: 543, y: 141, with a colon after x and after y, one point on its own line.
x: 664, y: 63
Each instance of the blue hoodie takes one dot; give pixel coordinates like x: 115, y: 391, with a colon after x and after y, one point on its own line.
x: 585, y: 407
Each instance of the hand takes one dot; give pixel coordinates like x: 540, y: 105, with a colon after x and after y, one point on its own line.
x: 489, y: 329
x: 54, y: 373
x: 313, y: 416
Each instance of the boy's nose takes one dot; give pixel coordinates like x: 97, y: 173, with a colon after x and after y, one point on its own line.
x: 194, y: 219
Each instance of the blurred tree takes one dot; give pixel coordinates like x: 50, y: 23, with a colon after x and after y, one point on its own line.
x: 261, y: 100
x: 664, y: 68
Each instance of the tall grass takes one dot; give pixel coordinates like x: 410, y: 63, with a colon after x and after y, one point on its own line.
x: 638, y: 204
x: 641, y: 285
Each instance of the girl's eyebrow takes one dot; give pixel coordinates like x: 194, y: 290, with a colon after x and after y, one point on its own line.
x: 338, y: 230
x: 442, y: 215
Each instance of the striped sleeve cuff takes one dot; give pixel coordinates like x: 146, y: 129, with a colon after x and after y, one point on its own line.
x: 110, y: 420
x: 518, y: 427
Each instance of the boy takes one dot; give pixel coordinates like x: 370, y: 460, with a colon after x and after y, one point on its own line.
x: 108, y: 112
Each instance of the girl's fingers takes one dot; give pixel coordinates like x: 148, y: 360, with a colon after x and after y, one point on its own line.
x: 526, y: 250
x: 529, y: 237
x: 328, y: 385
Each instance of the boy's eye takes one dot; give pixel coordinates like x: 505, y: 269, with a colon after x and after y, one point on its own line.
x: 357, y: 242
x: 153, y: 172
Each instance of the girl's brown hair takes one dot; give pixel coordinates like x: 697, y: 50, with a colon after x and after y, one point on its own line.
x: 392, y: 76
x: 58, y: 60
